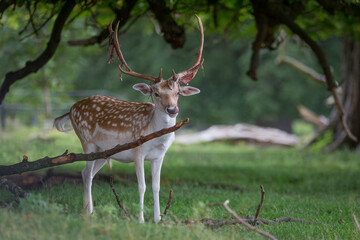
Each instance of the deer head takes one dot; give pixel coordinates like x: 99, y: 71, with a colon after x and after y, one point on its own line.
x: 165, y: 92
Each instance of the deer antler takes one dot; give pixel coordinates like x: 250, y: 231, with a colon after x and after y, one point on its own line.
x: 184, y: 76
x: 189, y: 74
x: 124, y: 68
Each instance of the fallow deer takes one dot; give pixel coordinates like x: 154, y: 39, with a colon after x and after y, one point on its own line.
x: 102, y: 122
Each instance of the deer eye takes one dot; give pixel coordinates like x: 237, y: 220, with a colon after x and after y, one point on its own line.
x: 156, y: 95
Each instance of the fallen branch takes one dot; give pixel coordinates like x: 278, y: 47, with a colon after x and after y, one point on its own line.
x: 117, y: 197
x: 266, y: 234
x: 214, y: 222
x: 356, y: 222
x: 65, y: 158
x: 241, y: 132
x: 260, y: 204
x: 168, y: 203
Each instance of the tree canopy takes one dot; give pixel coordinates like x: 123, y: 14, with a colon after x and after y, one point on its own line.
x: 229, y: 27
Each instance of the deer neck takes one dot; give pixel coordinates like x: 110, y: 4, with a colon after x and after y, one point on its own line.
x: 162, y: 120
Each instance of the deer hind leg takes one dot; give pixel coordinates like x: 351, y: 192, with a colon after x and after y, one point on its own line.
x: 139, y: 168
x: 88, y: 173
x: 155, y: 173
x: 97, y: 166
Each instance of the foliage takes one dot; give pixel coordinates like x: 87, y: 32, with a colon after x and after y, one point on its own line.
x: 310, y: 185
x: 227, y: 94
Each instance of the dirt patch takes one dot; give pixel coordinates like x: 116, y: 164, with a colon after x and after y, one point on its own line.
x: 31, y: 181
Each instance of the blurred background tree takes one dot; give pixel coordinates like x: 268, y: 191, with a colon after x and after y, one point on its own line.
x: 31, y: 30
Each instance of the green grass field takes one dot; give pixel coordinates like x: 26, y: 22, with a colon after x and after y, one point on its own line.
x: 308, y: 185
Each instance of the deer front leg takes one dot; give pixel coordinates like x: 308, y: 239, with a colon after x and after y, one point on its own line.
x: 155, y: 173
x: 139, y: 167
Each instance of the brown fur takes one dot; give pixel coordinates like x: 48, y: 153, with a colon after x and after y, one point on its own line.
x: 110, y: 114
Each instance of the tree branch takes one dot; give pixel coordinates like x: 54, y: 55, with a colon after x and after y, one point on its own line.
x: 65, y: 158
x: 5, y: 4
x: 332, y: 85
x: 314, y: 47
x: 262, y: 25
x: 46, y: 55
x: 37, y: 29
x: 173, y: 33
x: 345, y: 7
x: 302, y: 68
x: 122, y: 16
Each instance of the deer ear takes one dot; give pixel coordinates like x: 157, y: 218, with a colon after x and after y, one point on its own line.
x: 188, y: 91
x: 143, y: 88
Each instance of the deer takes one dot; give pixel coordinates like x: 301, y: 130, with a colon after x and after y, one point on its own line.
x: 102, y: 122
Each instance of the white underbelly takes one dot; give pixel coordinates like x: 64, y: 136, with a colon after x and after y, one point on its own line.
x: 124, y: 156
x: 151, y: 150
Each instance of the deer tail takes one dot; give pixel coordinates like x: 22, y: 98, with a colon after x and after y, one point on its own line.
x: 61, y: 121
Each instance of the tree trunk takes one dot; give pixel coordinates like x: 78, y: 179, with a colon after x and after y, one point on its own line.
x: 351, y: 95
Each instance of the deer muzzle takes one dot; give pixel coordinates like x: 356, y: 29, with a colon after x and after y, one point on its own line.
x: 172, y: 111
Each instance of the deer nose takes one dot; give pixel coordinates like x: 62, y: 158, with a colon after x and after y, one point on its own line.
x: 173, y: 110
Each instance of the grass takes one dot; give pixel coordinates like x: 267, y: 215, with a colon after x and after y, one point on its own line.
x: 309, y: 185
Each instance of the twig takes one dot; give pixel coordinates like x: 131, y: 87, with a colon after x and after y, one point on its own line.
x: 168, y: 203
x: 122, y: 15
x: 117, y: 197
x: 25, y: 158
x: 74, y: 157
x: 37, y: 29
x: 356, y: 222
x: 266, y: 234
x: 260, y: 204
